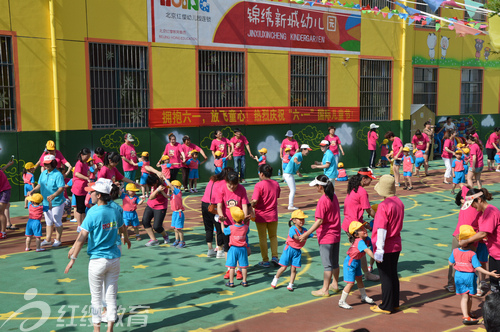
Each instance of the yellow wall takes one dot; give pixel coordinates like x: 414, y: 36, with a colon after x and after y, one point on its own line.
x: 491, y: 88
x: 344, y: 81
x: 449, y: 91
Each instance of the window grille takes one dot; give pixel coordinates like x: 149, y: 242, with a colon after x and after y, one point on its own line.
x: 308, y: 81
x: 119, y: 85
x: 472, y: 91
x: 375, y: 90
x: 380, y: 4
x: 425, y: 87
x: 7, y: 86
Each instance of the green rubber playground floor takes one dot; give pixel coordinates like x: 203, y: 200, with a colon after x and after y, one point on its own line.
x: 170, y: 289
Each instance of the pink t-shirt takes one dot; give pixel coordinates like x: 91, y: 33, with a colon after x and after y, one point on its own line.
x: 372, y: 140
x: 384, y: 150
x: 239, y: 145
x: 463, y: 260
x: 28, y: 178
x: 165, y: 170
x: 262, y: 160
x: 59, y: 158
x: 389, y: 216
x: 220, y: 145
x: 210, y: 190
x: 334, y: 143
x: 176, y: 200
x: 143, y: 167
x: 130, y: 203
x: 448, y: 143
x: 98, y: 160
x: 492, y: 139
x: 4, y: 182
x: 407, y: 163
x: 188, y: 148
x: 459, y: 165
x: 238, y: 235
x: 420, y: 143
x: 396, y: 145
x: 292, y: 144
x: 419, y: 154
x: 107, y: 173
x: 128, y: 151
x: 489, y: 222
x: 160, y: 202
x: 355, y: 204
x: 266, y: 193
x: 79, y: 185
x: 467, y: 217
x: 342, y: 173
x: 174, y: 153
x: 286, y: 157
x: 35, y: 212
x: 329, y: 211
x: 228, y: 198
x: 476, y: 150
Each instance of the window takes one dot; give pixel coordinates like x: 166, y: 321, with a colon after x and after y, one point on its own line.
x: 478, y: 17
x: 308, y: 81
x: 423, y: 7
x: 425, y: 87
x: 119, y: 85
x: 375, y: 90
x: 7, y: 84
x: 221, y: 78
x: 380, y: 4
x: 472, y: 91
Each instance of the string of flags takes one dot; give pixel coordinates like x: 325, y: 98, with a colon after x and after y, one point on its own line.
x: 461, y: 27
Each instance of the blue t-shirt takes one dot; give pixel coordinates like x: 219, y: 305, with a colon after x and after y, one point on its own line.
x: 49, y: 183
x: 292, y: 167
x: 331, y: 171
x: 102, y: 223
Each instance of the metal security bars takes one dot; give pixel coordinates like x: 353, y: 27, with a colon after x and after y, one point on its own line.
x: 221, y: 78
x: 380, y: 4
x: 119, y: 85
x: 472, y: 91
x: 7, y: 86
x: 375, y: 90
x: 308, y: 81
x: 425, y: 87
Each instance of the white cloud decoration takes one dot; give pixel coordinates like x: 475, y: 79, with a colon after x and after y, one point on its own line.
x: 178, y: 136
x: 209, y: 164
x: 273, y: 148
x: 488, y: 121
x: 441, y: 119
x: 345, y: 134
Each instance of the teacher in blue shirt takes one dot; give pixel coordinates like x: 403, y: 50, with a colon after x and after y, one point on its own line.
x: 293, y: 168
x: 329, y: 162
x: 101, y: 226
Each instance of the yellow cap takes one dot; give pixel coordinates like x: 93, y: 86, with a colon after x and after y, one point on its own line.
x: 131, y: 187
x: 406, y: 149
x: 415, y: 150
x: 145, y: 154
x: 29, y: 165
x: 458, y: 152
x: 90, y: 159
x: 355, y: 225
x: 218, y: 153
x: 50, y: 145
x: 237, y: 213
x: 340, y: 165
x: 460, y: 145
x: 375, y: 207
x: 73, y: 170
x: 263, y: 150
x: 466, y: 150
x: 287, y: 149
x: 165, y: 157
x: 35, y: 198
x: 298, y: 214
x: 176, y: 183
x: 466, y: 231
x: 385, y: 141
x: 192, y: 151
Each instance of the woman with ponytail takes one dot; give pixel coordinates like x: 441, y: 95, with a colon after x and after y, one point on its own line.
x: 80, y: 181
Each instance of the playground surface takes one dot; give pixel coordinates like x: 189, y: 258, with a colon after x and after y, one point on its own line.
x: 168, y: 289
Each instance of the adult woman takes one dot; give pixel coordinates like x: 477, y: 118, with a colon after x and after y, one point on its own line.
x: 289, y: 142
x: 448, y: 153
x: 101, y: 226
x: 328, y: 164
x: 421, y: 142
x: 209, y: 218
x: 327, y: 225
x: 293, y: 168
x: 221, y: 144
x: 129, y: 157
x: 177, y: 157
x: 187, y: 147
x: 109, y: 170
x: 4, y: 199
x: 51, y: 186
x: 372, y: 144
x: 397, y: 149
x: 386, y: 241
x: 492, y: 147
x: 229, y: 195
x: 355, y: 204
x: 238, y: 145
x: 156, y: 207
x: 335, y: 143
x: 489, y: 226
x: 429, y: 131
x: 476, y: 162
x: 80, y: 181
x: 448, y: 125
x: 265, y: 203
x: 50, y: 148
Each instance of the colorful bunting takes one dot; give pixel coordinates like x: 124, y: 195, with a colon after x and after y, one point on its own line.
x: 474, y: 5
x: 434, y: 4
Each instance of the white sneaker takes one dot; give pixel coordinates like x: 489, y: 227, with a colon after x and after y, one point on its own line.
x: 290, y: 287
x: 292, y: 208
x: 220, y: 254
x: 344, y: 305
x: 372, y: 277
x: 56, y: 243
x: 274, y: 282
x: 211, y: 253
x: 151, y: 243
x: 45, y: 243
x: 73, y: 220
x: 368, y: 300
x: 195, y: 190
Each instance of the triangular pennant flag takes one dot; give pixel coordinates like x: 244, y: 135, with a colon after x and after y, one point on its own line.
x: 403, y: 16
x: 451, y: 27
x: 390, y: 15
x: 472, y: 11
x: 363, y: 12
x: 434, y: 4
x: 438, y: 26
x: 423, y: 22
x: 451, y: 3
x: 477, y: 26
x: 463, y: 30
x: 311, y: 3
x: 410, y: 21
x: 384, y: 14
x: 409, y: 10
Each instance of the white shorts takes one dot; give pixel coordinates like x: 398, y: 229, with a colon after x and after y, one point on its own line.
x: 54, y: 216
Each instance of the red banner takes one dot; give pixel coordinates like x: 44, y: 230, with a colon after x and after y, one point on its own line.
x: 207, y: 117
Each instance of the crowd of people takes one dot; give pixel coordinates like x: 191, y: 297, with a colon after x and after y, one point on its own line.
x: 227, y: 211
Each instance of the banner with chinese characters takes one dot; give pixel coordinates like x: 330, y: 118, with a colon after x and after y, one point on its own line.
x: 203, y: 117
x: 254, y: 24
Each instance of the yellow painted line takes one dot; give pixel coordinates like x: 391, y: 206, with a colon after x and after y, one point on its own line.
x: 349, y: 322
x: 456, y: 328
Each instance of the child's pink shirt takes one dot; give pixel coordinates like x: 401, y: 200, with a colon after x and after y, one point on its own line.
x: 130, y: 203
x: 407, y: 164
x: 342, y: 173
x: 35, y: 212
x: 262, y: 160
x: 176, y: 200
x: 238, y: 235
x: 143, y: 167
x: 463, y: 260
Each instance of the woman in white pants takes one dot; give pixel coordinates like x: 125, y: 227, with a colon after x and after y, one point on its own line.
x: 101, y: 226
x: 293, y: 168
x: 448, y: 153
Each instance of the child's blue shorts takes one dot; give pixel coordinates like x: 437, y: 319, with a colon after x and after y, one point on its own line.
x: 178, y: 220
x: 352, y: 271
x: 465, y: 282
x: 73, y: 201
x: 497, y: 159
x: 144, y: 177
x: 237, y: 255
x: 342, y: 178
x: 408, y: 174
x: 193, y: 174
x: 130, y: 218
x: 28, y: 187
x: 384, y: 158
x: 419, y: 162
x: 33, y: 228
x: 459, y: 177
x: 291, y: 256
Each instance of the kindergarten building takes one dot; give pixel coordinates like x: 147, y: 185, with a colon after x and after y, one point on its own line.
x: 84, y: 73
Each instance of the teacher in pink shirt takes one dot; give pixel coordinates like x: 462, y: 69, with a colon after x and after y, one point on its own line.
x: 475, y: 161
x: 221, y: 144
x: 492, y: 147
x: 186, y: 147
x: 238, y: 145
x: 422, y: 142
x: 174, y: 151
x: 129, y: 157
x: 397, y: 149
x: 288, y: 142
x: 335, y: 143
x: 50, y: 148
x: 372, y: 144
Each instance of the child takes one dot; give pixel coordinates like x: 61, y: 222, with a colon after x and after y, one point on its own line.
x: 219, y: 161
x: 165, y: 166
x: 143, y: 162
x: 352, y: 263
x: 286, y: 157
x: 292, y: 254
x: 177, y: 213
x: 342, y: 175
x: 238, y: 242
x: 29, y: 180
x: 193, y: 164
x: 465, y: 262
x: 458, y: 170
x: 407, y: 168
x: 34, y: 225
x: 92, y: 170
x: 419, y: 160
x: 497, y: 160
x: 130, y: 203
x: 262, y: 159
x: 384, y: 151
x: 390, y: 157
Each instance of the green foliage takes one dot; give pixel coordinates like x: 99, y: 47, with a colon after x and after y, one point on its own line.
x: 493, y: 5
x: 310, y: 135
x: 113, y: 141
